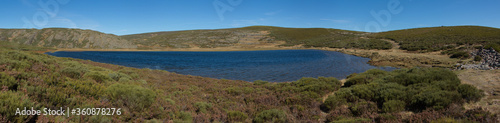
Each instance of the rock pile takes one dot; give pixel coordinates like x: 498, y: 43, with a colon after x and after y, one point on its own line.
x: 490, y: 57
x: 490, y: 60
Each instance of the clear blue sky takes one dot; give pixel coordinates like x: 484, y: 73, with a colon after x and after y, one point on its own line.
x: 122, y: 17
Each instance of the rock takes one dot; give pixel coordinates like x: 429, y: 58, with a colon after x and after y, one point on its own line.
x: 490, y: 60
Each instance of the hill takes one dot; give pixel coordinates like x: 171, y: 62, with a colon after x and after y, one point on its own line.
x: 418, y: 39
x: 64, y: 38
x: 442, y: 38
x: 255, y: 36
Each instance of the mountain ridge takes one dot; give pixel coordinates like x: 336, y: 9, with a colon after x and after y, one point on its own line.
x: 414, y: 39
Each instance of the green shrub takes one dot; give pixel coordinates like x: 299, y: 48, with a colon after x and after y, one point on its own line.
x: 202, y: 106
x: 367, y: 91
x: 236, y: 116
x: 435, y: 98
x: 73, y: 69
x: 477, y: 58
x: 272, y: 115
x: 341, y: 97
x: 132, y: 96
x: 183, y: 117
x: 365, y: 77
x: 390, y: 91
x: 460, y: 54
x: 120, y: 76
x: 9, y: 81
x: 469, y: 92
x: 10, y: 101
x: 235, y: 91
x: 97, y: 76
x: 393, y: 106
x: 363, y: 107
x: 355, y: 80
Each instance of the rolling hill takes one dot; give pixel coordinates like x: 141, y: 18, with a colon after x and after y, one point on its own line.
x: 441, y: 38
x: 64, y: 38
x: 418, y: 39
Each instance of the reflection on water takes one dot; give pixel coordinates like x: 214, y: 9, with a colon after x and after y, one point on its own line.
x: 272, y: 65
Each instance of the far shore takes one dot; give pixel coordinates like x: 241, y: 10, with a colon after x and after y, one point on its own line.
x: 180, y: 49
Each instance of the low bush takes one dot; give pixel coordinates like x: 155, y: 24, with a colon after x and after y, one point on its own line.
x: 477, y: 58
x: 272, y: 115
x: 74, y: 69
x: 119, y: 76
x: 97, y: 76
x: 133, y: 96
x: 9, y: 81
x: 393, y: 106
x: 469, y: 92
x: 10, y: 101
x: 236, y: 116
x: 341, y: 97
x: 183, y: 117
x: 435, y: 98
x: 364, y: 108
x: 460, y: 54
x: 202, y: 107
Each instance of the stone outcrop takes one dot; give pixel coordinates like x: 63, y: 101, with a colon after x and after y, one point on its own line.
x: 490, y: 60
x: 490, y: 57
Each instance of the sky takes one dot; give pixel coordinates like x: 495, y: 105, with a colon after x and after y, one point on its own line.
x: 122, y: 17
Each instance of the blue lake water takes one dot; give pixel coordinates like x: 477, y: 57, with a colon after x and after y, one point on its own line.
x: 271, y: 65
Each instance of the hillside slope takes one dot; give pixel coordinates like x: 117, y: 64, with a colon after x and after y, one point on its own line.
x: 441, y: 38
x: 254, y: 36
x: 64, y: 38
x: 418, y: 39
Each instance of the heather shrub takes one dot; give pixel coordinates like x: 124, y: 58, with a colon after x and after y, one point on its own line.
x: 469, y: 92
x: 132, y: 96
x: 97, y: 76
x: 272, y: 115
x: 202, y: 107
x: 119, y: 76
x: 74, y: 69
x: 10, y: 101
x: 236, y: 116
x: 393, y: 106
x: 9, y: 81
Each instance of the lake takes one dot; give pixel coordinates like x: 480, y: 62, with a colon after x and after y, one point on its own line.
x: 270, y: 65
